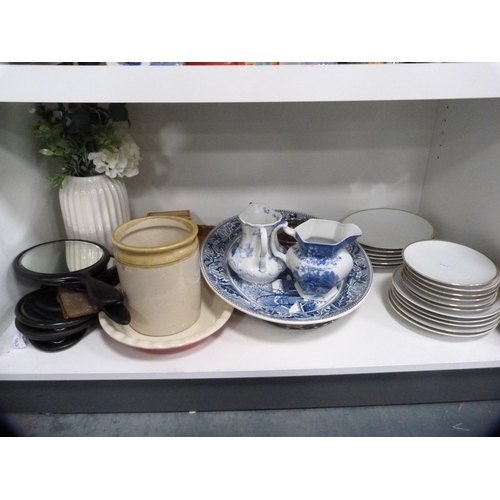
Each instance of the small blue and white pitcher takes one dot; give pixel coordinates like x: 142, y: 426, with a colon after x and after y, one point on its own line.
x: 319, y: 260
x: 251, y: 259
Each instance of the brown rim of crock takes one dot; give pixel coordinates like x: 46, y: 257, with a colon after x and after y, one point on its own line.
x: 133, y: 222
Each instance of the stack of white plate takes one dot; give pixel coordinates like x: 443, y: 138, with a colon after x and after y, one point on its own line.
x: 386, y: 231
x: 447, y: 288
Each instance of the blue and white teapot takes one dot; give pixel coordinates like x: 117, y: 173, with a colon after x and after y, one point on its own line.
x: 251, y: 258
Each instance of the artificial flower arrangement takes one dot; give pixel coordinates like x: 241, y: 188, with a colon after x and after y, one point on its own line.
x: 87, y: 139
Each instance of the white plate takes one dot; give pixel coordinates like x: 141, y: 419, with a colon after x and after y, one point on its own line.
x: 445, y: 300
x: 431, y: 328
x: 440, y: 320
x: 391, y: 260
x: 214, y: 314
x: 396, y: 252
x: 390, y: 228
x: 461, y: 292
x: 467, y: 329
x: 399, y: 285
x: 384, y: 264
x: 450, y: 263
x: 382, y: 254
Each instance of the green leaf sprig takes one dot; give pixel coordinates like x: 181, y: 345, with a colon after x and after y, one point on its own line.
x: 69, y: 132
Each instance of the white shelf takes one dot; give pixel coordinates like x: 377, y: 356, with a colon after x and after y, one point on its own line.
x: 372, y: 339
x: 200, y: 84
x: 435, y: 158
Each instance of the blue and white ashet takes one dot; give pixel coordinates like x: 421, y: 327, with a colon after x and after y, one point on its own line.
x: 279, y: 301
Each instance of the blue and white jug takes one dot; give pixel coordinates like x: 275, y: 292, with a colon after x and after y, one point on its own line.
x: 251, y: 258
x: 319, y: 260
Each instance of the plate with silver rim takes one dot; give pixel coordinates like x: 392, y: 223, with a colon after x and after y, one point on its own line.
x: 440, y: 289
x: 443, y: 320
x: 279, y: 302
x: 382, y: 263
x: 451, y: 264
x: 440, y: 312
x: 435, y: 327
x: 443, y: 300
x: 390, y: 228
x: 387, y: 231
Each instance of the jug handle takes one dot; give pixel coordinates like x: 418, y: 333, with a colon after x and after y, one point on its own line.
x: 274, y: 239
x: 263, y: 250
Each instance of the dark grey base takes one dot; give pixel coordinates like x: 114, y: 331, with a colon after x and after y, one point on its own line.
x: 464, y: 419
x: 135, y: 396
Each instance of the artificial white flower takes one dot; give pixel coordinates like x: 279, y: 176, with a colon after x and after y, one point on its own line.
x: 122, y: 162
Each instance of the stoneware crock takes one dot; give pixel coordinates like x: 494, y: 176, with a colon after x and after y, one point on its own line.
x: 157, y: 259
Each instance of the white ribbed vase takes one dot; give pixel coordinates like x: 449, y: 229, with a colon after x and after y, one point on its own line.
x: 92, y: 207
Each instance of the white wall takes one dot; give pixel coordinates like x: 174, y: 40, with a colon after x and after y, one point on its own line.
x: 28, y: 204
x: 328, y: 159
x: 462, y: 185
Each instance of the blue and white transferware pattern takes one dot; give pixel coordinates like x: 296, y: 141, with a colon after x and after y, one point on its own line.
x: 319, y: 260
x: 251, y: 259
x: 279, y: 302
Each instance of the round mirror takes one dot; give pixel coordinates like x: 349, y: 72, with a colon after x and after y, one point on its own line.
x: 75, y: 263
x: 55, y: 261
